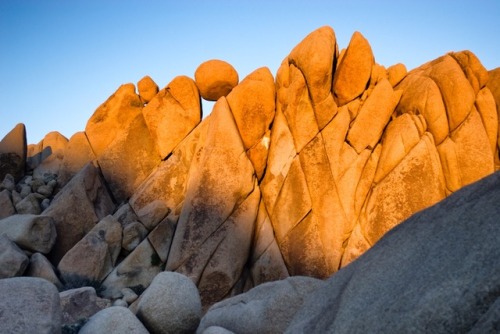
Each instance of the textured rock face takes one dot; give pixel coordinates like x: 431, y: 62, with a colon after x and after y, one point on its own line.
x: 398, y: 143
x: 93, y: 257
x: 29, y: 305
x: 215, y: 79
x: 454, y: 243
x: 122, y: 143
x: 297, y: 174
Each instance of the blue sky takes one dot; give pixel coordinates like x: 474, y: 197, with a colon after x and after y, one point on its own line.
x: 60, y: 60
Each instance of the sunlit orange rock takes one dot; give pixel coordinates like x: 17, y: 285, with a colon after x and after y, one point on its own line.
x: 315, y: 58
x: 147, y: 89
x: 216, y: 223
x: 125, y: 149
x: 396, y: 73
x: 76, y: 155
x: 173, y: 113
x: 215, y: 78
x: 354, y: 70
x: 252, y: 104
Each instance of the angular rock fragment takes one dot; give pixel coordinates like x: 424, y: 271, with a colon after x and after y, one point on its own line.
x: 13, y: 261
x: 93, y: 257
x: 34, y: 233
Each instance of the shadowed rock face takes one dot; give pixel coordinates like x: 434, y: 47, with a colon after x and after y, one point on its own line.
x: 296, y: 174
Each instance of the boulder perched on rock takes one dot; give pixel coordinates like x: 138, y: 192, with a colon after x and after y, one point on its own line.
x: 171, y: 304
x: 113, y: 320
x: 455, y: 246
x: 215, y: 78
x: 147, y: 89
x: 34, y: 233
x: 13, y: 153
x: 29, y: 305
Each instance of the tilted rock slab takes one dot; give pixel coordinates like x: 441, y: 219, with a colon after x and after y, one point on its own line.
x: 122, y: 143
x: 93, y: 257
x: 77, y: 208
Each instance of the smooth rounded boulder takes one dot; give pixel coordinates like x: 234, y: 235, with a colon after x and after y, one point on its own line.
x: 171, y: 304
x: 215, y: 78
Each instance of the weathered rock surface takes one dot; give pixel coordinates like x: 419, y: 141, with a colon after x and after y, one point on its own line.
x: 93, y: 257
x: 268, y: 308
x: 13, y: 261
x: 77, y: 208
x: 454, y: 245
x: 31, y: 232
x: 13, y: 153
x: 171, y: 304
x: 29, y: 305
x: 215, y: 227
x: 215, y: 79
x: 173, y: 113
x: 113, y: 320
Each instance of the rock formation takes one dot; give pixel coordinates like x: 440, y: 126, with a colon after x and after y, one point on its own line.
x: 293, y: 175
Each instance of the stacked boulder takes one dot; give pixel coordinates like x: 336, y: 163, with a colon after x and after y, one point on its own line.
x: 296, y: 175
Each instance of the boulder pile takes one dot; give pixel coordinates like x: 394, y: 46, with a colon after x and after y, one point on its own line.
x: 156, y: 220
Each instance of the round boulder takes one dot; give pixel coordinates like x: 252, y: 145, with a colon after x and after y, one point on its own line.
x: 147, y: 89
x: 215, y: 78
x: 171, y: 304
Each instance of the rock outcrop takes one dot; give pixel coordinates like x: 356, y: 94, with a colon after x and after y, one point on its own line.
x: 293, y: 175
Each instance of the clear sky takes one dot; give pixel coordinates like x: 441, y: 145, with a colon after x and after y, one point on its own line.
x: 59, y: 60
